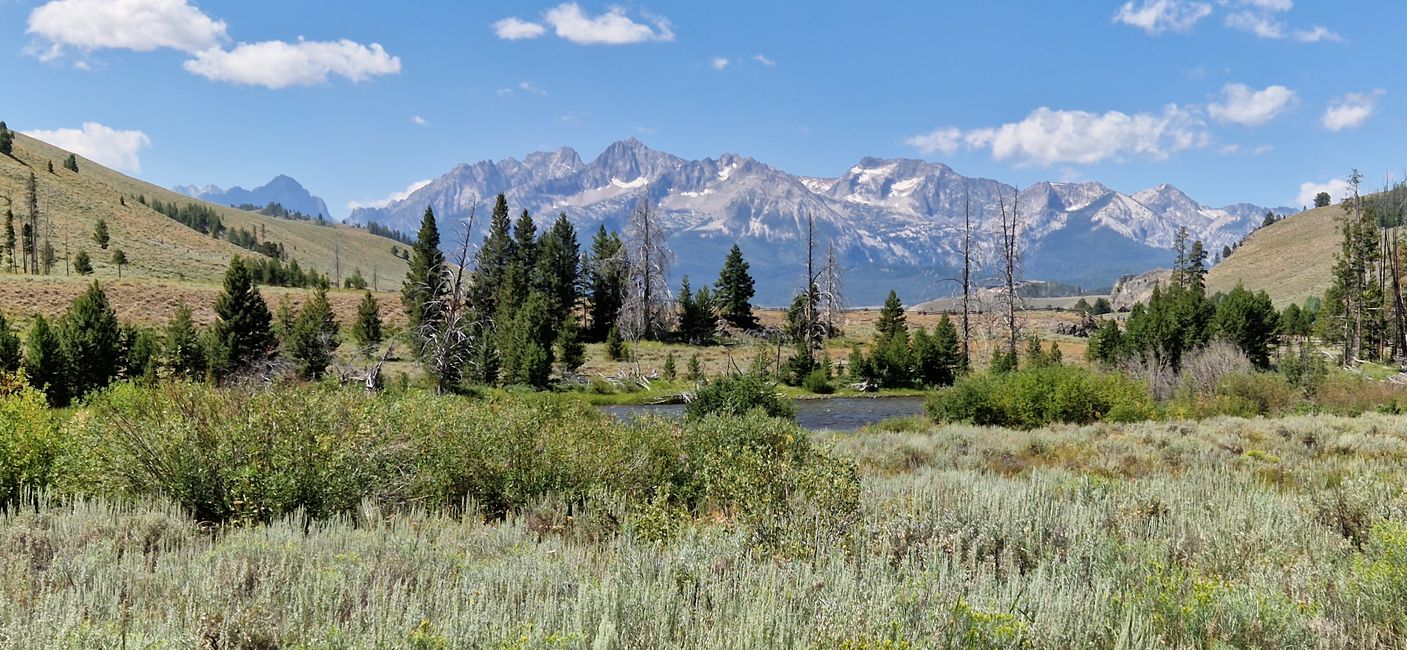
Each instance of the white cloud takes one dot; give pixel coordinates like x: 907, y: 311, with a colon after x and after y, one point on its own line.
x: 574, y: 119
x: 276, y: 64
x: 763, y: 60
x: 531, y: 87
x: 1158, y: 16
x: 101, y: 144
x: 1259, y: 23
x: 1318, y: 33
x: 419, y: 121
x: 945, y: 140
x: 137, y: 25
x: 1352, y: 110
x: 1336, y: 187
x: 610, y: 28
x: 719, y: 63
x: 1047, y: 137
x: 512, y: 29
x: 395, y: 196
x: 1242, y: 105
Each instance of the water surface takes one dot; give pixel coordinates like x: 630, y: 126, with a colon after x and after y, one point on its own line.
x: 834, y: 414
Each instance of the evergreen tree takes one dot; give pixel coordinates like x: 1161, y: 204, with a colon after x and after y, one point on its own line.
x: 92, y: 342
x: 696, y: 318
x: 526, y: 345
x: 558, y: 272
x: 695, y: 368
x: 314, y: 339
x: 424, y: 282
x: 82, y: 264
x: 1102, y: 306
x: 1249, y: 321
x: 9, y: 241
x: 605, y: 279
x: 143, y: 355
x: 51, y: 166
x: 522, y: 263
x: 1321, y: 200
x: 243, y: 330
x: 1036, y: 356
x: 119, y: 259
x: 100, y: 234
x: 734, y: 291
x: 1003, y: 361
x: 1082, y: 306
x: 491, y: 264
x: 937, y: 357
x: 615, y: 346
x: 891, y: 363
x: 1105, y: 344
x: 285, y: 320
x: 45, y: 366
x: 670, y: 371
x: 367, y: 330
x: 891, y: 318
x: 185, y: 356
x: 571, y: 350
x: 7, y: 140
x: 355, y: 280
x: 48, y: 257
x: 9, y: 347
x: 71, y: 163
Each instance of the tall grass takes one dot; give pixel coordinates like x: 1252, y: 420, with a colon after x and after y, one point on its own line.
x: 1249, y: 533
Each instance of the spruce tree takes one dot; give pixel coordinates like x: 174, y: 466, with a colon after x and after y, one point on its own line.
x: 425, y: 280
x: 71, y: 163
x: 558, y: 272
x: 82, y: 264
x: 45, y: 366
x: 605, y: 278
x: 9, y: 347
x: 670, y: 371
x: 243, y: 330
x: 1249, y: 321
x: 7, y: 140
x: 100, y: 234
x: 143, y: 355
x: 937, y: 357
x: 734, y: 291
x: 285, y: 320
x: 571, y: 350
x: 185, y: 356
x: 314, y: 339
x: 526, y: 345
x: 615, y: 345
x: 695, y: 368
x: 92, y: 342
x: 891, y: 318
x: 367, y: 330
x: 491, y: 263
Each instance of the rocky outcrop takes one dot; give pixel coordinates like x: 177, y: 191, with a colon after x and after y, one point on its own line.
x: 1133, y: 289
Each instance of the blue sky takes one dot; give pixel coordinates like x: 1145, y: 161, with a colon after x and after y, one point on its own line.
x: 1230, y: 100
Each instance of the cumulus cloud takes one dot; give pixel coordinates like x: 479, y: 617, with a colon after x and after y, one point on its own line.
x: 719, y: 63
x: 394, y: 197
x: 513, y: 29
x: 1316, y: 34
x: 137, y: 25
x: 419, y: 121
x: 1261, y: 24
x: 570, y: 22
x: 1336, y: 187
x: 1047, y: 137
x: 1158, y: 16
x: 1240, y: 104
x: 101, y: 144
x: 763, y: 60
x: 1352, y: 110
x: 277, y: 64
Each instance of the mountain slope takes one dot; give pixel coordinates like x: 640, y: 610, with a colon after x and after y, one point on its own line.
x: 895, y: 223
x: 1291, y: 260
x: 157, y: 247
x: 282, y: 190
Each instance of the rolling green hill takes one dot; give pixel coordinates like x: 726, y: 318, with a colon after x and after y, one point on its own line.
x: 1291, y: 260
x: 158, y: 247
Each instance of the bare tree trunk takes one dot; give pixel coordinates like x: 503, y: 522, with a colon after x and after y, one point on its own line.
x: 831, y: 290
x: 967, y: 281
x: 1010, y: 258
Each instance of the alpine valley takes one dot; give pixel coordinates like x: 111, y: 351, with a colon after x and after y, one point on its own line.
x: 894, y: 223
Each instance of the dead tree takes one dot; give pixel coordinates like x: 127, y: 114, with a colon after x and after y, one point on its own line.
x: 966, y: 357
x: 32, y: 202
x: 832, y: 291
x: 1011, y: 259
x: 647, y: 306
x: 450, y: 339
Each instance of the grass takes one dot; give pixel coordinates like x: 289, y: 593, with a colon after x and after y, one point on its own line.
x: 161, y: 248
x: 1290, y: 260
x: 1248, y: 533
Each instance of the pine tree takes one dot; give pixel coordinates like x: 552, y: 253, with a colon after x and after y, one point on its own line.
x: 82, y: 264
x: 522, y: 263
x: 100, y: 234
x: 615, y: 346
x: 45, y: 366
x: 1322, y: 200
x: 669, y: 372
x: 119, y: 259
x: 734, y: 291
x: 695, y: 368
x: 7, y: 140
x: 1269, y: 219
x: 558, y: 272
x: 71, y: 163
x: 9, y: 347
x: 285, y: 320
x: 571, y: 350
x: 243, y: 332
x: 366, y: 331
x: 314, y: 339
x: 696, y: 317
x: 526, y: 345
x: 1249, y: 321
x: 143, y: 355
x: 491, y: 264
x: 605, y: 279
x: 891, y: 318
x: 937, y: 356
x: 185, y: 356
x: 425, y: 280
x: 92, y: 342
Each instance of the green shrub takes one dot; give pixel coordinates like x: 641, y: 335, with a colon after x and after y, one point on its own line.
x: 818, y: 382
x: 1243, y: 394
x: 738, y: 394
x: 1034, y: 397
x: 31, y: 444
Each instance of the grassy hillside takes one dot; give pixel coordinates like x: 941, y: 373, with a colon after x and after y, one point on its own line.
x: 158, y: 247
x: 1290, y: 260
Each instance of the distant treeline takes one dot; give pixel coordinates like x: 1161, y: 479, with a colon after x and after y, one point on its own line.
x: 276, y: 209
x: 389, y: 233
x: 273, y: 270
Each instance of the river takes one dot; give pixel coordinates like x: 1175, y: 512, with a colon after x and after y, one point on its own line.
x: 834, y: 414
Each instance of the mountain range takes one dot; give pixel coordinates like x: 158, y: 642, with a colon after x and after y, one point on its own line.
x: 282, y: 190
x: 895, y: 223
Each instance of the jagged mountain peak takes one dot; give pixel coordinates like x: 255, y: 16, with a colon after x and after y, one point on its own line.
x: 282, y: 189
